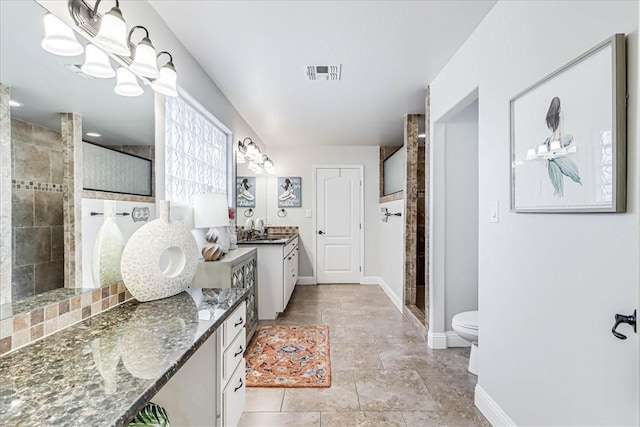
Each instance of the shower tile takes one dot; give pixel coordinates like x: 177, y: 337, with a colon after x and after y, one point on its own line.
x: 30, y: 163
x: 21, y: 208
x: 56, y: 162
x: 46, y: 138
x: 21, y: 131
x: 22, y: 282
x: 49, y: 276
x: 48, y: 209
x: 31, y: 245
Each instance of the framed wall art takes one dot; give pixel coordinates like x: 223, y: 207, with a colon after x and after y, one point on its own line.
x: 289, y: 192
x: 246, y: 191
x: 568, y: 136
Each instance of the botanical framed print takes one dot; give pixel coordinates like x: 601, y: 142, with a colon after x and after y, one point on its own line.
x: 289, y: 192
x: 246, y: 191
x: 568, y: 136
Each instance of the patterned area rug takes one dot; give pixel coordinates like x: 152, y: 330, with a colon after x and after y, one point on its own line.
x: 289, y: 356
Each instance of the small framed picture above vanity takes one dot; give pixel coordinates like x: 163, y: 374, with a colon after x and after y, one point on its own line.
x: 289, y: 191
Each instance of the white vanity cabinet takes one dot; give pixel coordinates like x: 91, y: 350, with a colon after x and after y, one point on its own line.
x: 277, y: 276
x: 232, y: 367
x: 209, y: 389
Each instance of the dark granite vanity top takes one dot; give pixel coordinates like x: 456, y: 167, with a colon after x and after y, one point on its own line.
x: 273, y: 240
x: 102, y: 371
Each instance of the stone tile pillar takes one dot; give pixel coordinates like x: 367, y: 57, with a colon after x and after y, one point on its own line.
x: 72, y: 146
x: 5, y: 196
x: 411, y: 130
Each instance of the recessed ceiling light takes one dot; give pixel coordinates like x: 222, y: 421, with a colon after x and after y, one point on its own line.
x: 14, y: 103
x: 93, y: 134
x: 422, y: 135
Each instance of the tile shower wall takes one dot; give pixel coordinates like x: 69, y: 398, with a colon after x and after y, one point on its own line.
x: 36, y: 213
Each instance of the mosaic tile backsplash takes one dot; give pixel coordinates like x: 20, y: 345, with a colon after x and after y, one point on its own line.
x: 29, y: 326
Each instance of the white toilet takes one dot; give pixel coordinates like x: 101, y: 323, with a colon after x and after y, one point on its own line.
x: 466, y: 325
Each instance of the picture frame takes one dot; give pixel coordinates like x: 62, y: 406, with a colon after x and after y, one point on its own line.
x: 568, y: 136
x: 246, y: 191
x: 289, y: 192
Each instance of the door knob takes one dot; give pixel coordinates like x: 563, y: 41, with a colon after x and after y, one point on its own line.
x: 320, y: 232
x: 621, y: 318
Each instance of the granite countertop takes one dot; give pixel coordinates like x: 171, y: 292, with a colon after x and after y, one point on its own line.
x: 102, y: 371
x: 276, y: 240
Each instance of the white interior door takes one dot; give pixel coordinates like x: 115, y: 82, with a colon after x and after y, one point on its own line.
x: 338, y: 225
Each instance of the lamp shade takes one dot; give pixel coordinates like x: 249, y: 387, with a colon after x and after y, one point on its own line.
x: 59, y: 38
x: 112, y: 35
x: 166, y: 84
x: 144, y: 60
x: 96, y: 63
x: 210, y: 210
x: 127, y: 84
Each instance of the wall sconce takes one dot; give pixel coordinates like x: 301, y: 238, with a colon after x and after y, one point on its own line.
x: 127, y: 84
x: 97, y: 64
x: 59, y: 39
x: 145, y: 62
x: 241, y: 151
x: 166, y: 84
x: 112, y: 35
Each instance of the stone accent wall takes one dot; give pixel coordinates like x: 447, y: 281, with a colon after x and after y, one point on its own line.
x: 36, y: 210
x: 72, y: 149
x: 5, y: 196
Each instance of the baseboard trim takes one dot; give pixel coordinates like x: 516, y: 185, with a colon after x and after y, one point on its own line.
x: 490, y: 409
x: 455, y: 340
x: 436, y: 340
x: 377, y: 280
x: 306, y: 280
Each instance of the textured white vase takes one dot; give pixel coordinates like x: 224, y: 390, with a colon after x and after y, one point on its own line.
x: 161, y: 239
x: 107, y: 249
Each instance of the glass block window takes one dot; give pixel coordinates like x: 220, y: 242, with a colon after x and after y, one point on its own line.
x: 195, y: 153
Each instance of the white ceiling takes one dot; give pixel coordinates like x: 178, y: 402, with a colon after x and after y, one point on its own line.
x: 256, y: 51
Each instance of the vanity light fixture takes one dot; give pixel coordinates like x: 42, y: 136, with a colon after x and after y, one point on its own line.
x: 127, y: 84
x: 241, y: 151
x: 268, y: 165
x: 59, y: 38
x: 97, y: 64
x: 14, y: 103
x: 166, y: 84
x: 253, y: 152
x: 145, y: 62
x: 112, y: 35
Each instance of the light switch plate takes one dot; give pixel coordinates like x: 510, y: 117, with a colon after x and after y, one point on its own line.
x: 307, y: 213
x: 494, y: 212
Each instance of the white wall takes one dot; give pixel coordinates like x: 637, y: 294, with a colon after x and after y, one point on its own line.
x: 461, y: 210
x: 391, y: 251
x: 298, y: 161
x: 546, y: 355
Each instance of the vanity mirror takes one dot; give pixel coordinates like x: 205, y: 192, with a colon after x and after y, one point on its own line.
x: 248, y: 185
x: 41, y: 87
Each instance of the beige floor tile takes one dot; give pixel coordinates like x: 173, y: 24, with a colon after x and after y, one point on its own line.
x: 423, y: 419
x: 341, y: 396
x: 264, y: 399
x: 347, y: 356
x: 280, y: 419
x: 362, y: 419
x: 431, y: 387
x: 395, y: 390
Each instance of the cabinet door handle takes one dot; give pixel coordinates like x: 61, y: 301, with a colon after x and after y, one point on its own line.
x: 239, y: 386
x: 239, y: 322
x: 239, y: 352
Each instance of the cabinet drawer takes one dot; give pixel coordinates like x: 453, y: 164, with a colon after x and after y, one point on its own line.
x: 289, y: 247
x: 233, y: 397
x: 233, y: 355
x: 234, y: 324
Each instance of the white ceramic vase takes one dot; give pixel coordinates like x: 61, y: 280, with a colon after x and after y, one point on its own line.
x: 160, y: 242
x: 107, y: 249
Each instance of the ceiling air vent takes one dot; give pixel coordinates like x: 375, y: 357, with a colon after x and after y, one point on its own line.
x: 324, y: 72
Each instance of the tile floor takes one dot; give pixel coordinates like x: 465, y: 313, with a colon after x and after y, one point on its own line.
x: 383, y: 372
